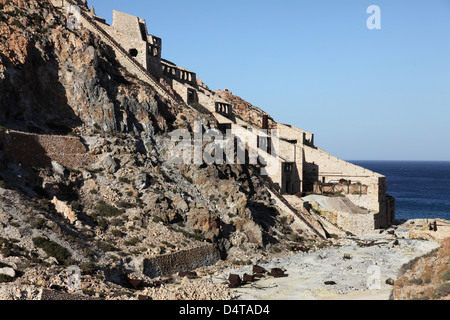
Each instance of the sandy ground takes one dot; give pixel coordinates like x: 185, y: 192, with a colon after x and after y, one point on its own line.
x: 361, y: 275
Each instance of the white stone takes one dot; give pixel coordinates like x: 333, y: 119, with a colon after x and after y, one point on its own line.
x: 8, y: 272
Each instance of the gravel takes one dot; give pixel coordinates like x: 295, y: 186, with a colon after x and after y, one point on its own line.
x: 359, y: 272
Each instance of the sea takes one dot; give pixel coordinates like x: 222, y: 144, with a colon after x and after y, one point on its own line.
x: 421, y: 188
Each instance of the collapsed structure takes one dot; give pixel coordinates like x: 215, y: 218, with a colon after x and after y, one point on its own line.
x: 302, y: 167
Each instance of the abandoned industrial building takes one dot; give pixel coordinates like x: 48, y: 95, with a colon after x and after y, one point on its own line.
x: 303, y: 168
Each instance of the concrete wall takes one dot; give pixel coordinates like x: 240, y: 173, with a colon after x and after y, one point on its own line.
x: 172, y: 71
x: 295, y: 134
x: 154, y: 55
x: 131, y: 33
x: 356, y: 223
x: 188, y: 260
x: 207, y: 99
x: 321, y: 165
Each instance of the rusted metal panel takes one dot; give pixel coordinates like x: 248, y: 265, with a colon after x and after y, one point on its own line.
x: 258, y: 269
x: 135, y: 282
x: 248, y: 278
x: 277, y: 273
x: 235, y: 281
x: 183, y: 274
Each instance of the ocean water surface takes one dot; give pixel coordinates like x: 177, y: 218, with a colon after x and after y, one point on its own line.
x: 421, y: 188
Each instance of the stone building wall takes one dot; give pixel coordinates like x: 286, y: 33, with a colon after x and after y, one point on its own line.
x: 358, y: 224
x: 131, y: 33
x: 295, y: 134
x: 41, y: 150
x: 244, y: 110
x: 320, y: 165
x: 188, y: 260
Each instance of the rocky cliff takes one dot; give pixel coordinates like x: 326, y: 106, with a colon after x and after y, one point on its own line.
x: 127, y: 203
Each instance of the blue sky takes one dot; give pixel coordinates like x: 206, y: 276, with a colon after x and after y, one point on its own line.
x: 366, y: 94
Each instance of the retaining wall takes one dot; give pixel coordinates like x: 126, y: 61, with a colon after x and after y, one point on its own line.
x: 166, y: 265
x: 41, y: 150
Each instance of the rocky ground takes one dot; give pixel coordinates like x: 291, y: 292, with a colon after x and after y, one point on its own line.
x: 133, y: 203
x: 427, y: 278
x: 346, y: 271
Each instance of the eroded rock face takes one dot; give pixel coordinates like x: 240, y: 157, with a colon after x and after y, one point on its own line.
x: 54, y: 80
x: 128, y: 199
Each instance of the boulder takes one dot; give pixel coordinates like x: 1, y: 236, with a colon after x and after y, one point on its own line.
x: 206, y: 222
x: 253, y: 232
x: 64, y: 209
x: 7, y: 271
x: 141, y: 182
x: 59, y: 169
x: 110, y: 164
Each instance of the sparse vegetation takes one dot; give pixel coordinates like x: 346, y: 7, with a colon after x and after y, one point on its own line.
x: 38, y: 223
x: 88, y: 268
x: 409, y: 265
x: 125, y: 205
x: 75, y: 205
x: 446, y: 275
x: 105, y: 246
x: 124, y: 180
x: 167, y: 244
x: 106, y: 210
x: 117, y: 233
x: 242, y: 262
x: 52, y: 249
x: 5, y: 278
x: 133, y: 241
x: 416, y: 281
x: 443, y: 290
x: 14, y: 224
x: 46, y: 205
x: 188, y: 179
x: 17, y: 23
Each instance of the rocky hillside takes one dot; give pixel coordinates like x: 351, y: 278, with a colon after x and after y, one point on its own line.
x: 243, y: 109
x: 130, y: 204
x: 426, y: 278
